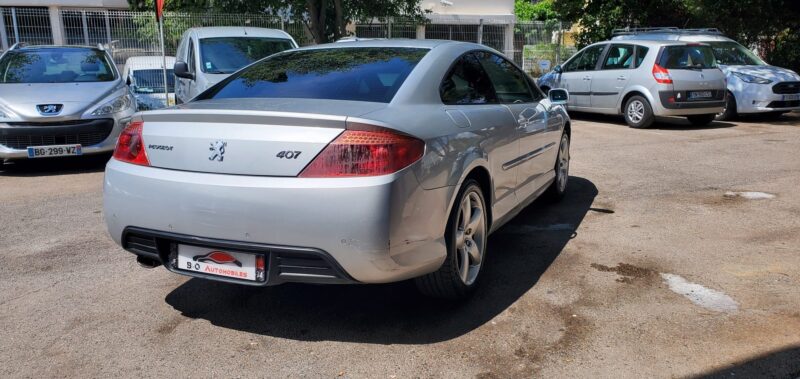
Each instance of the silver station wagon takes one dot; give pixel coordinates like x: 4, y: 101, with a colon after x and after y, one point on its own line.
x: 358, y: 162
x: 643, y: 79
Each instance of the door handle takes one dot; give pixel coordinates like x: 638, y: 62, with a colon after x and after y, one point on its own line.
x: 622, y: 77
x: 587, y: 77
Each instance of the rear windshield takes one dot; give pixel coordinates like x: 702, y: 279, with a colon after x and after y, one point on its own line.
x: 687, y: 57
x: 361, y: 74
x: 732, y: 54
x: 55, y: 66
x: 225, y: 55
x: 152, y: 80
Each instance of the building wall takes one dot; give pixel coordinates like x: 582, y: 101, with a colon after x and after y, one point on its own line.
x: 471, y: 7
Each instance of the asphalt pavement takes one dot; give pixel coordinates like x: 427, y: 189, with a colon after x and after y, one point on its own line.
x: 676, y: 253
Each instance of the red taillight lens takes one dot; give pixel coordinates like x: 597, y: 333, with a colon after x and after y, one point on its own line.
x: 661, y: 75
x: 365, y: 153
x: 130, y: 145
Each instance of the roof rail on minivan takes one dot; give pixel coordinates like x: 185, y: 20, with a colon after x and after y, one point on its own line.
x: 18, y: 45
x: 665, y: 29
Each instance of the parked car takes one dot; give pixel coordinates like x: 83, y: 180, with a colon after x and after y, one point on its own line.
x: 642, y: 80
x: 208, y: 55
x: 359, y: 162
x: 145, y: 76
x: 753, y: 85
x: 60, y: 101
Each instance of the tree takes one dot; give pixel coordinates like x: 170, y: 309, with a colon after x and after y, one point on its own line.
x: 526, y: 10
x: 326, y: 20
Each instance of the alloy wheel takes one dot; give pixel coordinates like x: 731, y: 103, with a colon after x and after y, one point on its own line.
x: 470, y: 237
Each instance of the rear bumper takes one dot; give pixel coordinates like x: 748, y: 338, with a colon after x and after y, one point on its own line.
x: 675, y: 103
x: 376, y: 230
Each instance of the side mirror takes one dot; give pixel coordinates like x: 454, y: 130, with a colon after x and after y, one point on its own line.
x: 558, y: 69
x: 558, y: 96
x: 181, y: 70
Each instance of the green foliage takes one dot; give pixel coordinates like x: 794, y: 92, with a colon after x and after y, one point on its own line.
x: 542, y: 10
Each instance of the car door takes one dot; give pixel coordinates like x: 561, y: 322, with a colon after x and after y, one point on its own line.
x: 467, y: 91
x: 610, y: 80
x: 513, y: 90
x: 578, y: 75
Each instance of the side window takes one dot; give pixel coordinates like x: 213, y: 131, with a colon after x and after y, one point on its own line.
x: 589, y: 59
x: 510, y: 84
x: 190, y: 57
x: 467, y: 83
x: 618, y: 57
x: 641, y: 53
x: 572, y: 65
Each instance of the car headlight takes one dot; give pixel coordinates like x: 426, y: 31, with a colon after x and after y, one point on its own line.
x: 752, y: 79
x: 115, y: 105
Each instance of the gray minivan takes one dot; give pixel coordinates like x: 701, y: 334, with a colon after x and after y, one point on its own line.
x: 642, y: 80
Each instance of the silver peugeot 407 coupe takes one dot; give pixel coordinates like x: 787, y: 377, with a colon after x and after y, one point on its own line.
x: 60, y: 101
x: 359, y: 162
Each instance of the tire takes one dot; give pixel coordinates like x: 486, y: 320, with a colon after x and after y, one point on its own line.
x: 730, y: 112
x: 638, y: 113
x: 701, y: 119
x: 466, y: 243
x: 558, y: 188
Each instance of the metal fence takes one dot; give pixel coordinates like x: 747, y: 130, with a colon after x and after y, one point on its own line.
x: 536, y: 46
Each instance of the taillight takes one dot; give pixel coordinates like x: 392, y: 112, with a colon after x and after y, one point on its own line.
x: 130, y: 145
x: 661, y: 75
x: 365, y: 153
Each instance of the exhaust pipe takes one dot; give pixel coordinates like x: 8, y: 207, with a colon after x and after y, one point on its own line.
x: 147, y: 262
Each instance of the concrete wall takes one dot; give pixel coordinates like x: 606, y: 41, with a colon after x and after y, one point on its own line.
x: 471, y: 7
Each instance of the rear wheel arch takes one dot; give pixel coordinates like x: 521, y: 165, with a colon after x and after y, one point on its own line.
x: 481, y: 175
x: 621, y: 107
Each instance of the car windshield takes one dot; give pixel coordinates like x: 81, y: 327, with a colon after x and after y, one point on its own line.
x: 362, y: 74
x: 152, y: 81
x: 225, y: 55
x: 55, y: 66
x: 731, y: 53
x: 687, y: 57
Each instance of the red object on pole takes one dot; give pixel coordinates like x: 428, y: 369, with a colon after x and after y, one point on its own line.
x: 159, y: 9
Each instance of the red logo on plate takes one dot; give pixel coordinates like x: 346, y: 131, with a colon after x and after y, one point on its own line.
x: 218, y: 257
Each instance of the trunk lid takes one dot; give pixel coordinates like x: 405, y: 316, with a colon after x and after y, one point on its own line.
x: 261, y: 137
x: 694, y: 71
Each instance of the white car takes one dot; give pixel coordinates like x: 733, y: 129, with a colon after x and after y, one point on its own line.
x: 208, y: 55
x: 145, y: 76
x: 753, y: 85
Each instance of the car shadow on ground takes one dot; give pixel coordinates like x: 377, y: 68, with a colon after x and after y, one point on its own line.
x: 519, y: 253
x: 790, y: 119
x: 55, y: 166
x: 783, y: 363
x: 662, y: 123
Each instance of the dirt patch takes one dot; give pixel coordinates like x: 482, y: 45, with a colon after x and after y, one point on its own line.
x: 627, y: 272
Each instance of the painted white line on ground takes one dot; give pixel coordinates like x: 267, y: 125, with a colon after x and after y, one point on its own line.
x: 702, y: 296
x: 750, y: 195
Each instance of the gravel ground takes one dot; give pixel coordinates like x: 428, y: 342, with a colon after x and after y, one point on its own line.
x: 675, y: 253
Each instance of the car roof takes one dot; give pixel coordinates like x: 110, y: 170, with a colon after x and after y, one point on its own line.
x: 238, y: 31
x: 647, y: 42
x: 55, y: 47
x: 394, y: 42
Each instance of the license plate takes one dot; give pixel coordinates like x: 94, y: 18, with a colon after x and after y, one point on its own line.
x: 54, y: 151
x: 699, y: 95
x: 791, y: 97
x: 217, y: 262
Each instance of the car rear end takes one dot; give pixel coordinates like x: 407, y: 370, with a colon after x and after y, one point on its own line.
x: 254, y: 189
x: 687, y: 81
